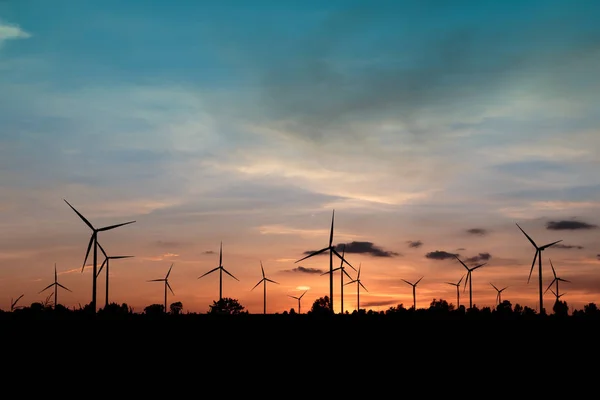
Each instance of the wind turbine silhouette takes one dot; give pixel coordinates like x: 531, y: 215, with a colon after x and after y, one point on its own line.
x: 56, y: 285
x: 343, y: 271
x: 414, y: 290
x: 499, y: 295
x: 558, y: 296
x: 166, y: 281
x: 13, y: 304
x: 555, y: 280
x: 457, y: 284
x: 106, y: 262
x: 298, y: 298
x: 358, y: 286
x: 264, y: 281
x: 221, y: 270
x: 94, y: 241
x: 538, y: 254
x: 469, y: 279
x: 332, y: 251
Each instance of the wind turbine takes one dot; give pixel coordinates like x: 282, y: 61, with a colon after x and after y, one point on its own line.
x: 166, y: 281
x: 538, y: 254
x: 457, y: 284
x: 499, y: 295
x: 221, y: 270
x: 13, y: 304
x: 332, y: 251
x: 343, y: 271
x: 298, y: 298
x: 469, y: 279
x: 558, y: 296
x: 358, y: 286
x: 94, y: 241
x: 555, y: 280
x: 106, y: 261
x: 56, y: 285
x: 414, y: 290
x: 264, y: 281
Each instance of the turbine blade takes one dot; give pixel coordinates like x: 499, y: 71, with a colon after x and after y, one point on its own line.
x: 64, y: 287
x: 562, y: 280
x: 526, y: 235
x: 206, y: 273
x: 117, y: 257
x: 550, y: 285
x: 493, y: 286
x: 227, y: 272
x: 46, y: 288
x: 478, y: 266
x: 102, y: 250
x: 107, y: 228
x: 303, y: 294
x: 259, y: 282
x: 157, y: 280
x: 293, y: 297
x: 550, y: 244
x: 419, y: 280
x: 461, y: 278
x: 169, y: 286
x: 168, y: 273
x: 312, y: 254
x: 221, y: 254
x: 331, y: 232
x: 272, y: 281
x: 80, y: 216
x: 343, y: 260
x: 464, y: 265
x: 262, y: 269
x: 407, y: 282
x: 101, y: 266
x: 363, y: 286
x: 553, y: 271
x: 347, y: 274
x: 87, y: 253
x: 352, y: 281
x: 533, y: 264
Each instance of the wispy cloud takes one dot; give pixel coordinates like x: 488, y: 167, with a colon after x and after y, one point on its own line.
x: 11, y: 32
x: 360, y: 248
x: 305, y: 270
x: 479, y: 258
x: 568, y: 225
x: 477, y: 231
x: 414, y: 243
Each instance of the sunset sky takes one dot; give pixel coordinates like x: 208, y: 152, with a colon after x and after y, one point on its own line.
x: 431, y: 127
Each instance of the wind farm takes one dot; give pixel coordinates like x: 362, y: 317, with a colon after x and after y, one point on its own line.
x: 270, y: 164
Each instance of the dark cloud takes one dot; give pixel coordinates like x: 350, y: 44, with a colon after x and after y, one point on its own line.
x: 568, y: 225
x: 477, y: 231
x: 567, y: 246
x: 378, y: 303
x: 414, y: 243
x: 305, y: 270
x: 360, y: 248
x: 479, y: 258
x: 598, y: 256
x: 440, y: 255
x: 209, y: 252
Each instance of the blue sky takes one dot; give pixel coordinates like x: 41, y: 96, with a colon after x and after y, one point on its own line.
x: 249, y: 123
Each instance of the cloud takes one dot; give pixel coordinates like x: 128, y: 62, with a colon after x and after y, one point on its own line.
x: 568, y: 225
x: 11, y: 32
x: 360, y: 248
x: 479, y: 258
x: 209, y: 252
x: 567, y: 246
x: 477, y: 231
x: 440, y: 255
x: 598, y: 256
x: 414, y: 243
x: 305, y: 270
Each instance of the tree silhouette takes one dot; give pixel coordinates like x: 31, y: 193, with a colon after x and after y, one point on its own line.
x: 154, y: 309
x: 560, y: 308
x: 321, y: 306
x: 176, y: 308
x: 227, y: 306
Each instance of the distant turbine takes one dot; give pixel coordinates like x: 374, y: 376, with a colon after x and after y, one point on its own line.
x: 94, y: 241
x: 469, y: 279
x: 538, y: 254
x: 264, y: 281
x: 457, y: 284
x: 358, y: 286
x: 556, y: 279
x: 56, y: 285
x: 342, y: 272
x: 414, y: 290
x: 13, y: 304
x: 298, y: 298
x: 499, y: 295
x: 332, y: 251
x: 166, y: 281
x: 221, y: 270
x: 558, y: 296
x: 107, y: 262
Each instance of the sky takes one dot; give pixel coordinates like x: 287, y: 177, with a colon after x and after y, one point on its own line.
x: 431, y: 128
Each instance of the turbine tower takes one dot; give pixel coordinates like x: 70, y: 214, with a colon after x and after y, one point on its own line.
x: 414, y: 291
x: 221, y: 269
x: 56, y: 286
x: 106, y: 262
x: 457, y: 284
x: 264, y: 281
x: 538, y: 255
x: 298, y: 298
x: 342, y: 272
x: 94, y: 241
x: 166, y: 281
x: 358, y: 286
x: 469, y: 279
x: 332, y: 251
